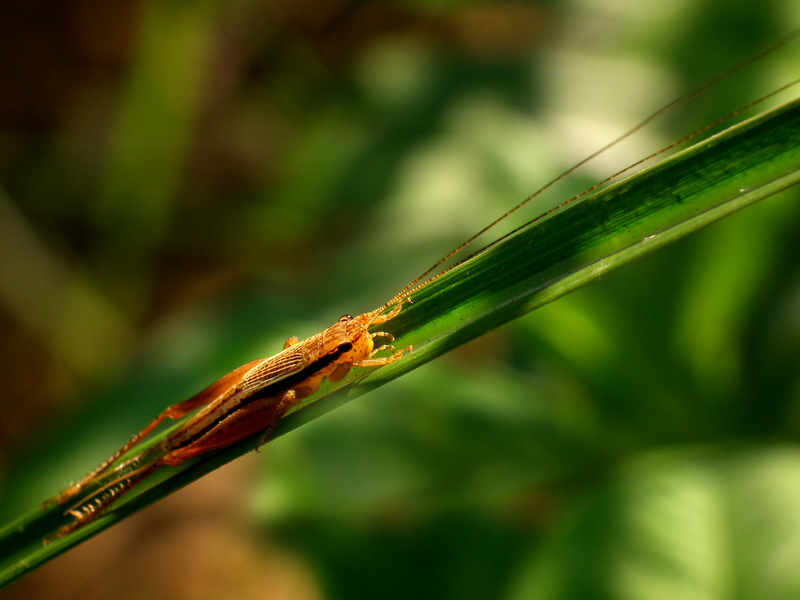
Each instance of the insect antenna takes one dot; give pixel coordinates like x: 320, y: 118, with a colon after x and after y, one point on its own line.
x: 423, y: 280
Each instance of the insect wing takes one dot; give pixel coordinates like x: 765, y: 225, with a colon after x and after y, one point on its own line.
x: 272, y: 370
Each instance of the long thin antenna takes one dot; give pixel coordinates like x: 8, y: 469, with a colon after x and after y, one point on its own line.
x: 421, y: 280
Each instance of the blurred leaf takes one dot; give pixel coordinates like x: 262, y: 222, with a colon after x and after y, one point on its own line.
x: 161, y: 104
x: 693, y: 524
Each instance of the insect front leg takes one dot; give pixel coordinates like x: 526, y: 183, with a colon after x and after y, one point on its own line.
x: 391, y: 314
x: 384, y: 360
x: 382, y: 334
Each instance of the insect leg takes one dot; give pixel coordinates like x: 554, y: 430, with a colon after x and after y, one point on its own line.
x: 89, y: 509
x: 388, y: 316
x: 249, y: 419
x: 379, y: 362
x: 382, y: 334
x: 380, y: 348
x: 174, y: 412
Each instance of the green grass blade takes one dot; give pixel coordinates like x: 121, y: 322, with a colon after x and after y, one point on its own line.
x: 572, y: 247
x: 586, y: 239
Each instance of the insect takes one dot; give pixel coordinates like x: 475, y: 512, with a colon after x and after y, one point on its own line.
x: 242, y: 403
x: 253, y: 398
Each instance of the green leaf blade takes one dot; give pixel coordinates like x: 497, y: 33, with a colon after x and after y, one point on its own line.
x: 572, y: 247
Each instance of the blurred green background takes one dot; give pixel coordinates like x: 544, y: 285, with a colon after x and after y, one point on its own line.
x: 184, y: 185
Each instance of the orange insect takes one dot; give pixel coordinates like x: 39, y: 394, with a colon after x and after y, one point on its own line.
x: 247, y: 400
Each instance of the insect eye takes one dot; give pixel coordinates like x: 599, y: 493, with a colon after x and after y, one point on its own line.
x: 345, y: 347
x: 345, y: 318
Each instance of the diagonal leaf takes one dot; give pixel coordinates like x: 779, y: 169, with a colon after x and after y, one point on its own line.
x: 573, y: 246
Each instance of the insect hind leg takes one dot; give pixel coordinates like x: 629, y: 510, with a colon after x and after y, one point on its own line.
x: 98, y: 502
